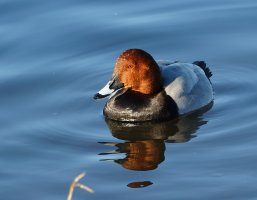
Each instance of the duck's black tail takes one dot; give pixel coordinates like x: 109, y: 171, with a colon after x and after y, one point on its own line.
x: 203, y: 66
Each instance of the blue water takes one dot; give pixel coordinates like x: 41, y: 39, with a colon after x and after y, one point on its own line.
x: 55, y: 55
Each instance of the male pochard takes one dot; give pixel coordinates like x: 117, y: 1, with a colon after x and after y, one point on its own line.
x: 142, y: 89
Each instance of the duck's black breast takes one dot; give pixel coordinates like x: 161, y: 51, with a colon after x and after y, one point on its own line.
x: 128, y: 105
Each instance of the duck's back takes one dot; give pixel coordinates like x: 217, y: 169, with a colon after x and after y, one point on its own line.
x: 187, y: 84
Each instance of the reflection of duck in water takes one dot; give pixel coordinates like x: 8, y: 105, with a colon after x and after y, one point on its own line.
x: 141, y: 155
x: 146, y: 141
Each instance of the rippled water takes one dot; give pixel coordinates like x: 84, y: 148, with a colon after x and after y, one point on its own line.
x: 55, y: 56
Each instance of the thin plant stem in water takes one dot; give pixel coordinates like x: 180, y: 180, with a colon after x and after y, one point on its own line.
x: 76, y: 183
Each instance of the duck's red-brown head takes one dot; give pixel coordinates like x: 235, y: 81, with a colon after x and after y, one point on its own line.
x: 137, y: 70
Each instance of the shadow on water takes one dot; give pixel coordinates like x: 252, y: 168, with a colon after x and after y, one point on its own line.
x: 144, y: 144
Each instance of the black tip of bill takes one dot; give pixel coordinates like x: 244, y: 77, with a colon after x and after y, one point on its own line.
x: 99, y: 96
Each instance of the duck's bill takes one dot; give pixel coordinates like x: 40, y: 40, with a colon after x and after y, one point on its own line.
x: 104, y: 92
x: 109, y: 88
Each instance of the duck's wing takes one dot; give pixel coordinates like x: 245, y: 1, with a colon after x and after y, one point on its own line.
x: 179, y: 78
x: 165, y: 63
x: 187, y: 85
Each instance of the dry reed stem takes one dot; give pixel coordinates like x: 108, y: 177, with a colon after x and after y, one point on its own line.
x: 76, y: 183
x: 84, y: 187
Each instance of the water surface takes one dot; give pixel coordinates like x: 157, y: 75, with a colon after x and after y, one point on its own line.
x: 55, y: 56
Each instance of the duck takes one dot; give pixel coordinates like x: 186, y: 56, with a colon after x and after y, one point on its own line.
x: 142, y: 89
